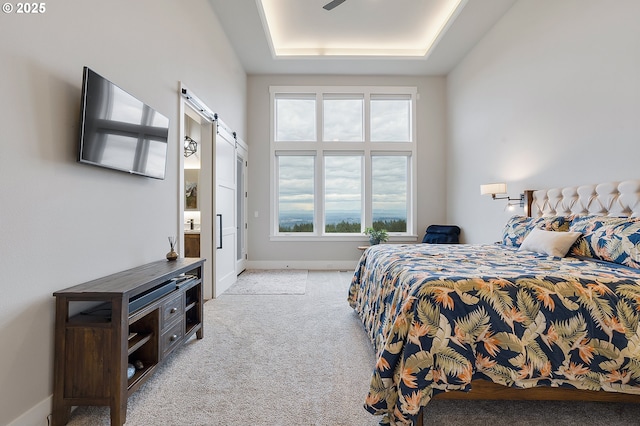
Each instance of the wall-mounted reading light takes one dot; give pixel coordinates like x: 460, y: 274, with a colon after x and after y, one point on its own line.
x: 500, y: 188
x: 190, y: 146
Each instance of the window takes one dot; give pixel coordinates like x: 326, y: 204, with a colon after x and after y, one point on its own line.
x: 389, y: 192
x: 342, y: 118
x: 296, y: 199
x: 343, y: 160
x: 343, y: 194
x: 390, y: 119
x: 296, y: 118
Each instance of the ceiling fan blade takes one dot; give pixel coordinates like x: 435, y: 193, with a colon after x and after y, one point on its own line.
x: 333, y: 4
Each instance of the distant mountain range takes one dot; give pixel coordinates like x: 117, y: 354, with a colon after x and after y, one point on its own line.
x: 292, y: 218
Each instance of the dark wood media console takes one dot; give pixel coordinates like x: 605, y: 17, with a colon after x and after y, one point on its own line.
x: 138, y: 316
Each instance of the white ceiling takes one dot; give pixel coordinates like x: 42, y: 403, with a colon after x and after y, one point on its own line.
x: 381, y: 37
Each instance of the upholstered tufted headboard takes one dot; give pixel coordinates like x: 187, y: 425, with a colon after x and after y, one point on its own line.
x: 605, y: 199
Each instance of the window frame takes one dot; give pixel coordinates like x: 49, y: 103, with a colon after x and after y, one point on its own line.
x: 320, y: 147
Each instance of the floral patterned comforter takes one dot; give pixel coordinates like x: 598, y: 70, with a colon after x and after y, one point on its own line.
x: 442, y: 315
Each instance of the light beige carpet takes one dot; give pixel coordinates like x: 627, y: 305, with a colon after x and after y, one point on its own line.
x: 302, y: 360
x: 272, y: 360
x: 281, y: 281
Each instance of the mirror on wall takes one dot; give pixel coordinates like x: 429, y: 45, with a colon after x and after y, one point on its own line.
x: 191, y: 179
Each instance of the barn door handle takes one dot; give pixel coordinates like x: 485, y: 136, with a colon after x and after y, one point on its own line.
x: 219, y: 233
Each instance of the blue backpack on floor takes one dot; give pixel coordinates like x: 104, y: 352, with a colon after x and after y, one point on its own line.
x: 442, y: 234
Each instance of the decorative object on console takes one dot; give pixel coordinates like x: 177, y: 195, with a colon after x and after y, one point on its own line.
x: 172, y: 255
x: 500, y: 188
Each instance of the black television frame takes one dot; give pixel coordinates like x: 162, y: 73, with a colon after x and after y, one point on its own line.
x: 95, y: 130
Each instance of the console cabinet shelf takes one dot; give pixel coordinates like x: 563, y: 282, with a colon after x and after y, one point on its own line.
x: 136, y: 317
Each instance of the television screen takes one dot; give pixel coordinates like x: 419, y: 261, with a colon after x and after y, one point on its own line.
x: 120, y: 132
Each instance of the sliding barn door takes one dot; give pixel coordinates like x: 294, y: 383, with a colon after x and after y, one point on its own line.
x: 225, y: 220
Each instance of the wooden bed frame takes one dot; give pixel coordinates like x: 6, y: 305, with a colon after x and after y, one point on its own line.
x: 614, y: 199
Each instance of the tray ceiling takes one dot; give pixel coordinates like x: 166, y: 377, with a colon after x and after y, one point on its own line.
x: 406, y: 37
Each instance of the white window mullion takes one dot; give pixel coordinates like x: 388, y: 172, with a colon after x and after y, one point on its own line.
x: 366, y: 175
x: 413, y: 199
x: 273, y: 200
x: 318, y: 225
x: 319, y: 213
x: 319, y: 117
x: 368, y: 194
x: 367, y: 117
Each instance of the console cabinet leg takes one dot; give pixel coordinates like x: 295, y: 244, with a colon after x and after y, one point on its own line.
x: 118, y: 414
x: 60, y: 414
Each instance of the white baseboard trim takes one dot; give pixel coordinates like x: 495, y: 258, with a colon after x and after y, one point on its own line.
x: 36, y: 415
x: 321, y: 265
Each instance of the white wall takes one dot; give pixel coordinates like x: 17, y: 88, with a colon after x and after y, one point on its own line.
x: 327, y: 254
x: 63, y: 223
x: 550, y: 97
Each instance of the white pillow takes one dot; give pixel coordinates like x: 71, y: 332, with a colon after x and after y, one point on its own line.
x: 552, y: 243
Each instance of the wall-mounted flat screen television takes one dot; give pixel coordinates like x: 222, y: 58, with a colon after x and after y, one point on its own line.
x: 120, y: 132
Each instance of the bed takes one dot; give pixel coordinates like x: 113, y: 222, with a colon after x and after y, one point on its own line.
x: 517, y: 319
